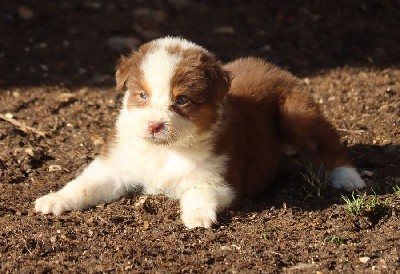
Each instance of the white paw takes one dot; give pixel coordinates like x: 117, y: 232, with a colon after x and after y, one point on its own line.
x: 52, y: 203
x: 346, y: 178
x: 199, y: 218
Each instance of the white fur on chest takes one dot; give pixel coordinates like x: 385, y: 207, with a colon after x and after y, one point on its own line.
x: 160, y: 169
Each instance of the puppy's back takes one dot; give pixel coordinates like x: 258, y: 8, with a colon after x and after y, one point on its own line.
x: 251, y: 136
x: 256, y: 80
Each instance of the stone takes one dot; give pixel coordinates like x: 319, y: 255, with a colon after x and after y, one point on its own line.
x: 25, y: 13
x: 364, y: 259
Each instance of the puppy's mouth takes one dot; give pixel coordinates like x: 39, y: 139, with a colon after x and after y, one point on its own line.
x: 160, y: 139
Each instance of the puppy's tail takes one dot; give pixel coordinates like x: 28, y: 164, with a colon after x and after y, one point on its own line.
x: 303, y: 126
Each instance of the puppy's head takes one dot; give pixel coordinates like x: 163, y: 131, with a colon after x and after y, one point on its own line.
x: 174, y: 90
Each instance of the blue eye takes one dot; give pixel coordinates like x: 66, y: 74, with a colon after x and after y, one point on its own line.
x: 143, y: 95
x: 181, y: 100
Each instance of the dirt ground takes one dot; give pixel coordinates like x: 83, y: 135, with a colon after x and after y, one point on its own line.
x: 57, y: 62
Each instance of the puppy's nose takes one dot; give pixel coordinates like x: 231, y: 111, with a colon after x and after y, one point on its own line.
x: 154, y: 127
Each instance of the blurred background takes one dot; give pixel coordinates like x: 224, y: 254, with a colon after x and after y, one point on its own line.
x: 75, y: 43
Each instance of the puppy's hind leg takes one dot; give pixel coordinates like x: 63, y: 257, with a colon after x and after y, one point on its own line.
x: 303, y: 126
x: 98, y: 183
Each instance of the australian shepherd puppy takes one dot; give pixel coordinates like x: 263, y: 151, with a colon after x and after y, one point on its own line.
x: 202, y: 132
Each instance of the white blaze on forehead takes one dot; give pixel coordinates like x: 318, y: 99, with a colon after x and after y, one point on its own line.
x: 158, y: 69
x: 175, y: 41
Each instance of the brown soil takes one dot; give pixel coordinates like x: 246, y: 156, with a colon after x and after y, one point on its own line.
x: 56, y: 75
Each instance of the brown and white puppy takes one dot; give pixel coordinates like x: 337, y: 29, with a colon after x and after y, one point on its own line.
x: 203, y: 133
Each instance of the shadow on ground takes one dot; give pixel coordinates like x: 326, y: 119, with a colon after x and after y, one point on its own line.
x: 291, y: 189
x: 66, y: 43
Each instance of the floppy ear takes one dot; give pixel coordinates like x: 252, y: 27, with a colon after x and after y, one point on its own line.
x: 219, y: 78
x: 222, y: 81
x: 123, y: 70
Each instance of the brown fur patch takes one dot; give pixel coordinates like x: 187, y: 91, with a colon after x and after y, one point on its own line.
x: 200, y: 78
x: 129, y: 75
x: 267, y: 108
x: 109, y: 143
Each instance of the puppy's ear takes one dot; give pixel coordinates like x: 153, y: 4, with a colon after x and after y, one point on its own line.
x: 219, y: 78
x: 123, y: 70
x: 222, y: 82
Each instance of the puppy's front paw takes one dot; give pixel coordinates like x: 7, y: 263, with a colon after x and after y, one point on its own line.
x: 199, y: 218
x: 346, y: 178
x: 52, y: 203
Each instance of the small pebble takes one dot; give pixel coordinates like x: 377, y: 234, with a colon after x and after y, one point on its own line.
x: 9, y: 115
x: 266, y: 48
x: 97, y: 141
x: 25, y: 13
x: 367, y: 173
x: 53, y: 168
x: 364, y: 259
x: 141, y: 201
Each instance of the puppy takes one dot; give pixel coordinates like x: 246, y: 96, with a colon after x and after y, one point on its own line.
x: 203, y: 133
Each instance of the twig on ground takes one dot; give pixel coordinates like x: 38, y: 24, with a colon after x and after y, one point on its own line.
x: 351, y: 130
x: 22, y: 126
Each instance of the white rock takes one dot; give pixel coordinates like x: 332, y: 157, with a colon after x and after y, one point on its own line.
x: 141, y: 201
x: 9, y: 115
x: 53, y: 168
x: 364, y: 259
x: 367, y: 173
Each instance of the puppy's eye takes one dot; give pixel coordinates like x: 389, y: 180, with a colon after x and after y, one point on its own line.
x: 181, y: 100
x: 143, y: 95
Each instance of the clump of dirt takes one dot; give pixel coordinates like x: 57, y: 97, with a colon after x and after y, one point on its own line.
x: 57, y: 64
